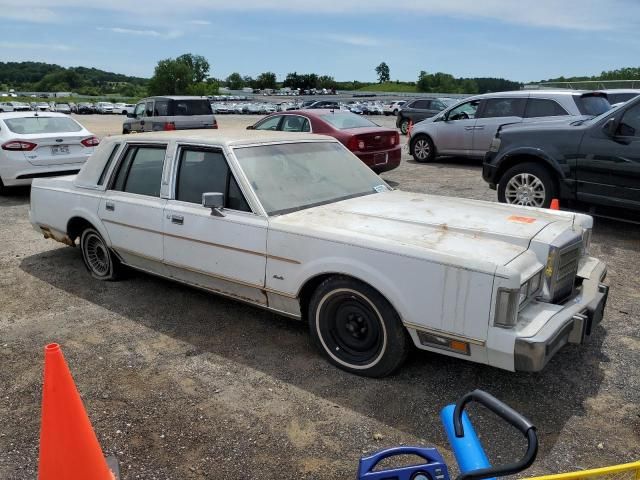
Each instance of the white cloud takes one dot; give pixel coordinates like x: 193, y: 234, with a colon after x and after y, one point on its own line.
x: 35, y: 46
x: 589, y: 15
x: 143, y: 32
x: 356, y: 40
x: 200, y: 22
x: 36, y: 15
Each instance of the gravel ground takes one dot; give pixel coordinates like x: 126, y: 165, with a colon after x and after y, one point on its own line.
x: 183, y: 384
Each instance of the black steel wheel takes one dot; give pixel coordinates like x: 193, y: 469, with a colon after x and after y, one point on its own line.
x: 356, y: 327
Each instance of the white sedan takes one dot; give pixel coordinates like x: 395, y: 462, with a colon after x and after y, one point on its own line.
x: 41, y: 144
x: 296, y: 224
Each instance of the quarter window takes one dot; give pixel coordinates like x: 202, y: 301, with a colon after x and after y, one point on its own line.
x: 543, y: 107
x: 202, y: 171
x: 112, y: 155
x: 140, y: 171
x: 503, y: 107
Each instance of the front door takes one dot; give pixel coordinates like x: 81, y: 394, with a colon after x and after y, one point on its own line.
x: 455, y: 131
x: 132, y: 210
x: 138, y: 114
x: 495, y: 112
x: 226, y: 254
x: 608, y: 168
x: 146, y: 122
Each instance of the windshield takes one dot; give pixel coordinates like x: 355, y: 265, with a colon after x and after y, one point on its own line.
x: 342, y: 121
x: 293, y: 176
x: 33, y: 125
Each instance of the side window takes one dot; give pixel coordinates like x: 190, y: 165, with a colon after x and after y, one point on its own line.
x: 141, y: 170
x: 161, y: 108
x: 503, y: 107
x: 543, y: 107
x: 630, y: 124
x: 139, y: 111
x: 306, y: 126
x: 270, y: 123
x: 112, y: 155
x: 424, y: 104
x: 148, y: 111
x: 293, y: 123
x: 464, y: 111
x: 201, y: 171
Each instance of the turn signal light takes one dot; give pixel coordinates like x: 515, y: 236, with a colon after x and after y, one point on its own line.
x: 18, y: 146
x: 169, y: 126
x: 90, y: 142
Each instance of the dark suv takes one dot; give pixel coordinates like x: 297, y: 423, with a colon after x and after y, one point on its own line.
x: 593, y: 160
x: 170, y: 113
x: 416, y: 110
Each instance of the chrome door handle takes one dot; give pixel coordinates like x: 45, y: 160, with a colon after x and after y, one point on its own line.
x: 469, y: 128
x: 177, y: 219
x: 110, y: 206
x: 479, y: 127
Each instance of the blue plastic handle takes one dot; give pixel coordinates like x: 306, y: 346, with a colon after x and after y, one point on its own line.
x: 432, y: 458
x: 467, y: 449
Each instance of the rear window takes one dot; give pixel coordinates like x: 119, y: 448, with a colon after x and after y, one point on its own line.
x: 620, y: 97
x: 190, y: 107
x: 342, y: 121
x: 592, y: 104
x: 34, y: 125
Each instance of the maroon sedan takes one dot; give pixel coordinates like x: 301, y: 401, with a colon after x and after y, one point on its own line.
x: 376, y: 146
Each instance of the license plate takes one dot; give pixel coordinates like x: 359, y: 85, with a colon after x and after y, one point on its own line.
x: 60, y: 150
x: 379, y: 158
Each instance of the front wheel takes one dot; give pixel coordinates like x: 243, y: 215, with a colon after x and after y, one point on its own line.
x: 99, y: 260
x: 422, y: 149
x: 356, y: 328
x: 527, y: 184
x: 404, y: 126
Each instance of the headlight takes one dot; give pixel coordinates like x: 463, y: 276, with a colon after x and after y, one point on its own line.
x: 506, y: 308
x: 534, y: 283
x: 495, y: 144
x: 586, y: 240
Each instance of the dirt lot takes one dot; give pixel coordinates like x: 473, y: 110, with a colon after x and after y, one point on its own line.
x: 182, y: 384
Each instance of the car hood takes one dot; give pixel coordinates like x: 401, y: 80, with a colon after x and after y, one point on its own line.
x: 472, y: 234
x: 553, y: 124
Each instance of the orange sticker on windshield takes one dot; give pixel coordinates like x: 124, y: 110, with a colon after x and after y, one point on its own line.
x: 515, y: 218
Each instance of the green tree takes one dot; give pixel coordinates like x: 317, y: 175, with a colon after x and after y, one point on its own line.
x: 198, y: 65
x: 235, y: 81
x: 383, y: 73
x: 266, y: 80
x: 179, y: 76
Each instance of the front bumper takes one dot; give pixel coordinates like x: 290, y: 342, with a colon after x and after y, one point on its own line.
x: 573, y: 323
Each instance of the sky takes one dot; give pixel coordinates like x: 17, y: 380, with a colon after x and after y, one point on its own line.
x: 519, y: 40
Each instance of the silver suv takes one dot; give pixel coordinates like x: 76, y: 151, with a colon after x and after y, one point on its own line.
x: 170, y: 113
x: 468, y: 127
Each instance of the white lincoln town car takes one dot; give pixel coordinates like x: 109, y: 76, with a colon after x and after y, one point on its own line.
x: 295, y: 223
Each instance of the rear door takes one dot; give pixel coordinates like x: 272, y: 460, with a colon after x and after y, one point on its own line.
x: 495, y: 112
x: 541, y: 108
x: 608, y: 168
x: 420, y: 109
x: 132, y: 210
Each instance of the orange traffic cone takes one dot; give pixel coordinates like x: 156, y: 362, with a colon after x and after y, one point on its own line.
x: 555, y: 204
x: 69, y: 449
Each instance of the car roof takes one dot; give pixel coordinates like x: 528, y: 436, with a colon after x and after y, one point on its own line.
x: 31, y: 114
x: 620, y: 90
x: 221, y: 137
x: 174, y: 97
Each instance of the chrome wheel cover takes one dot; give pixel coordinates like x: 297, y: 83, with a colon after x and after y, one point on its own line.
x: 525, y: 189
x: 97, y: 255
x: 422, y: 149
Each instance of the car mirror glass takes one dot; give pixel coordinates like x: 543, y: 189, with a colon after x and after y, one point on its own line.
x: 214, y: 201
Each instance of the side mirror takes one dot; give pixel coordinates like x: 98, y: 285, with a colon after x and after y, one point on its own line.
x: 130, y: 115
x: 251, y: 127
x: 611, y: 127
x: 214, y: 201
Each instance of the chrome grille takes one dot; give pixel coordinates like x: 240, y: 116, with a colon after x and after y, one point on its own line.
x: 565, y: 270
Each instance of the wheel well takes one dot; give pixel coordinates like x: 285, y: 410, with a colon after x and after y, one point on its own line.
x: 415, y: 136
x: 76, y: 226
x: 517, y: 159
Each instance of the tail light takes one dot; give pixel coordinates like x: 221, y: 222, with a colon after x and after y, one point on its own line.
x: 215, y: 124
x: 90, y: 142
x: 395, y: 139
x: 169, y: 126
x: 355, y: 144
x: 18, y: 146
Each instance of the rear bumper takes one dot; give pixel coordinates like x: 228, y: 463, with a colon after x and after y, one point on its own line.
x: 574, y: 323
x: 22, y: 173
x: 382, y: 160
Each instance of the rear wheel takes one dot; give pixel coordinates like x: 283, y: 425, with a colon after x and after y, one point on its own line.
x: 356, y: 328
x: 527, y: 184
x: 422, y: 149
x: 395, y: 111
x: 98, y: 258
x: 126, y: 131
x: 404, y: 126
